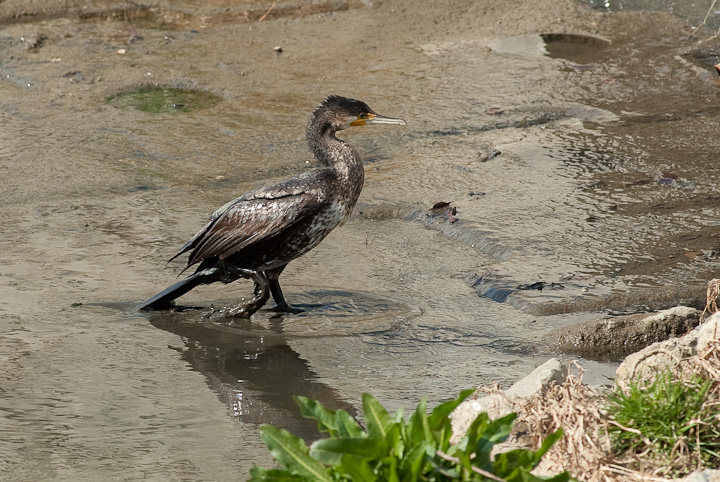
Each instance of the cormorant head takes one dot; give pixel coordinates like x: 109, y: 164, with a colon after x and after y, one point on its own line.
x: 338, y: 113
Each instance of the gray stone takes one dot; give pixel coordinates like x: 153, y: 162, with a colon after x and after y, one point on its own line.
x: 540, y: 379
x: 707, y: 475
x: 708, y: 333
x: 615, y: 338
x: 500, y: 404
x: 667, y: 354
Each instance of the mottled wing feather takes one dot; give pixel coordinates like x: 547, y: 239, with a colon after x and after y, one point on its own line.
x: 214, y: 217
x: 296, y: 189
x: 250, y: 219
x: 194, y: 240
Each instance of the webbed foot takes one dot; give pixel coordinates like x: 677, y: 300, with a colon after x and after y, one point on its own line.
x: 261, y: 294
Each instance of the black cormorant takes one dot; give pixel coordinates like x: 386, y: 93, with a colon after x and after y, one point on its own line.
x: 256, y: 235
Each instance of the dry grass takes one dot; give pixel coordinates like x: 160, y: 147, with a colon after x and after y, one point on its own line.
x: 704, y: 22
x: 585, y: 451
x: 713, y: 291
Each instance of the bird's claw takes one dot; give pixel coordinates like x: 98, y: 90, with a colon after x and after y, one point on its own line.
x: 246, y: 310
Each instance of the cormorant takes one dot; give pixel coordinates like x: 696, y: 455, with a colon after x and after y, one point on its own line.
x: 256, y: 235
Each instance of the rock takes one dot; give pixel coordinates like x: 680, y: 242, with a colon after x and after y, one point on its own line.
x: 708, y: 333
x: 500, y: 404
x: 613, y: 338
x: 668, y: 354
x: 540, y: 378
x: 707, y: 475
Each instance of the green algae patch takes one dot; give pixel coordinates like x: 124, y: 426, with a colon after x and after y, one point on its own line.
x: 157, y: 100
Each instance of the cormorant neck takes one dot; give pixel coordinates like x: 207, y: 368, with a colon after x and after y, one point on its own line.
x: 336, y: 155
x: 328, y: 149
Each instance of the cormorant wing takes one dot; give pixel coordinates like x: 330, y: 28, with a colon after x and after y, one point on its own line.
x: 253, y: 217
x: 196, y: 238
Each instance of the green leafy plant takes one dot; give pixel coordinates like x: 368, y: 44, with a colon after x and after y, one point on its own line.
x: 392, y: 448
x: 672, y: 421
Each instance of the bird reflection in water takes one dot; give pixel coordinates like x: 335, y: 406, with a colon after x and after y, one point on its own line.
x: 252, y: 369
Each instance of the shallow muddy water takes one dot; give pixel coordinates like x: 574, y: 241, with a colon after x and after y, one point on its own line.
x: 578, y: 146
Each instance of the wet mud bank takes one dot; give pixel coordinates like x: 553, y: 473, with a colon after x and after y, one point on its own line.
x: 558, y: 161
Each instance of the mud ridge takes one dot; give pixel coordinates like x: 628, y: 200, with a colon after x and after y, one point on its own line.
x: 177, y: 19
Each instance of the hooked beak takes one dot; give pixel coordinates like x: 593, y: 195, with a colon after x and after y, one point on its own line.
x: 372, y: 118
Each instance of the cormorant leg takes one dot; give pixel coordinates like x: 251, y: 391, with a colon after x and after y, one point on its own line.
x: 272, y: 276
x: 277, y: 294
x: 261, y: 293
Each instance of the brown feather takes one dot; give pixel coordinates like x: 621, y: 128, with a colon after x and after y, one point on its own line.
x: 249, y: 221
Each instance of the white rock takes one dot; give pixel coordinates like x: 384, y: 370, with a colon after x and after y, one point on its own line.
x: 667, y: 354
x: 706, y: 475
x: 499, y: 405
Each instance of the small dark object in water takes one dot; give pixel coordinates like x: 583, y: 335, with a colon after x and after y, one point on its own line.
x: 541, y: 285
x: 256, y: 235
x: 487, y: 152
x: 671, y: 179
x: 639, y: 182
x: 666, y: 177
x: 33, y: 42
x: 74, y: 76
x: 445, y: 209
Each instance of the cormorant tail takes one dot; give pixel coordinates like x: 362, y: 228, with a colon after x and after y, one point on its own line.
x: 161, y: 301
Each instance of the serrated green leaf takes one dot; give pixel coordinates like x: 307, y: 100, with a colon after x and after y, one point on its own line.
x: 292, y: 453
x: 441, y: 413
x: 506, y: 464
x: 467, y: 444
x: 390, y: 465
x: 561, y: 477
x: 394, y: 450
x: 442, y: 436
x: 358, y: 469
x: 439, y: 420
x: 259, y: 474
x: 512, y: 465
x: 494, y: 432
x: 347, y: 426
x: 413, y: 461
x: 549, y: 442
x: 394, y: 441
x: 515, y: 465
x: 419, y: 427
x: 330, y: 451
x: 326, y: 419
x: 376, y: 417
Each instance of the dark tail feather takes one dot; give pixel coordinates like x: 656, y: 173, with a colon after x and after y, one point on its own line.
x: 161, y: 301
